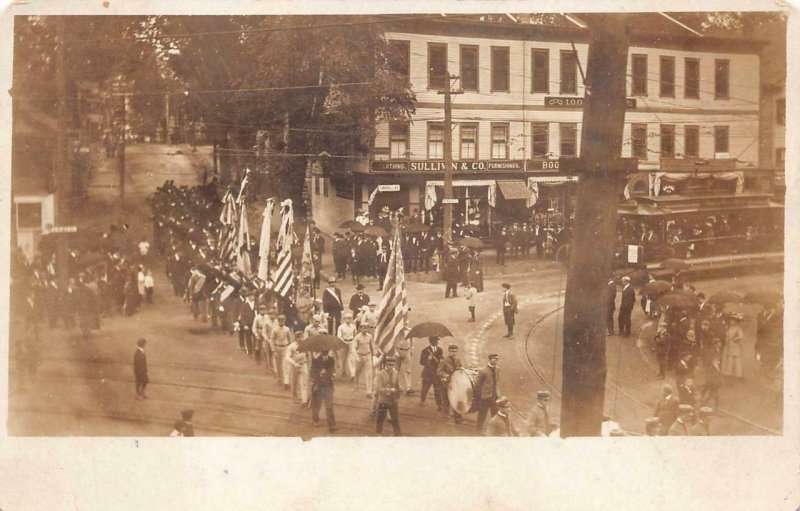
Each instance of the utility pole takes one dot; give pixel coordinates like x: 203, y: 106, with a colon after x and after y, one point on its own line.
x: 62, y: 166
x: 447, y: 227
x: 602, y: 178
x: 122, y: 119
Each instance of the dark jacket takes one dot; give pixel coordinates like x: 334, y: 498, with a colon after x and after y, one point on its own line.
x: 486, y: 385
x: 628, y: 299
x: 429, y: 359
x: 330, y: 304
x: 322, y: 372
x: 356, y: 302
x: 140, y: 366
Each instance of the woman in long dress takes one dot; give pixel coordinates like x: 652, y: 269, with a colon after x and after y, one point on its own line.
x: 732, y: 353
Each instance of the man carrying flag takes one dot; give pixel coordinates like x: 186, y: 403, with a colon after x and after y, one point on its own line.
x: 284, y: 274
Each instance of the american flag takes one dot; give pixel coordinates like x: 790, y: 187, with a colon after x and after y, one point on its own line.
x: 307, y: 261
x: 227, y: 234
x: 284, y: 274
x: 243, y: 243
x: 393, y: 309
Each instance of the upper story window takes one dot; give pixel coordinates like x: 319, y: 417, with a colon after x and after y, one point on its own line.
x: 691, y: 78
x: 469, y: 141
x: 540, y: 139
x: 667, y: 141
x: 540, y: 70
x: 569, y: 73
x: 780, y: 112
x: 500, y: 69
x: 435, y: 141
x: 438, y: 78
x: 722, y: 71
x: 639, y: 141
x: 499, y: 141
x: 469, y: 67
x: 721, y: 140
x: 691, y: 141
x: 667, y: 74
x: 569, y: 139
x: 639, y: 75
x: 398, y: 140
x: 400, y: 58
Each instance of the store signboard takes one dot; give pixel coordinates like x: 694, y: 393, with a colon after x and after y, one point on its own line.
x: 439, y: 166
x: 449, y: 201
x: 576, y: 102
x: 388, y: 188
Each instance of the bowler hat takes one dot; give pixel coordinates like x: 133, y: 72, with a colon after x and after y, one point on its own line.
x: 331, y: 280
x: 502, y: 401
x: 685, y: 409
x: 543, y: 394
x: 705, y: 411
x: 360, y: 287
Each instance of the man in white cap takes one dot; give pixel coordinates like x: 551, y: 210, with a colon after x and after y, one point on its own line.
x: 501, y: 424
x: 682, y: 426
x: 626, y: 303
x: 539, y: 416
x: 388, y: 392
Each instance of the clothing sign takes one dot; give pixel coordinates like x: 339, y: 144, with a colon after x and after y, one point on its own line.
x: 633, y: 254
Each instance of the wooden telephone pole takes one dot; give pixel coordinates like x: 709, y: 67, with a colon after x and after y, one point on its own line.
x: 447, y: 226
x: 63, y: 169
x: 602, y: 179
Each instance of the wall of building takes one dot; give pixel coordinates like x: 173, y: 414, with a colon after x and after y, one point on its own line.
x: 328, y: 210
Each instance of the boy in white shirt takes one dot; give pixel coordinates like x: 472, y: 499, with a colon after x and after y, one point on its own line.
x: 346, y: 332
x: 472, y: 300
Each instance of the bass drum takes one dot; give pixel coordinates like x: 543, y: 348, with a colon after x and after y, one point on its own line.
x: 461, y: 389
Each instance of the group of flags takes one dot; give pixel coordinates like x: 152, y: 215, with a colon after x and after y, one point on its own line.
x: 234, y: 246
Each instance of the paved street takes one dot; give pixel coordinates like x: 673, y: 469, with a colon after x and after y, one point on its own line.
x: 85, y: 387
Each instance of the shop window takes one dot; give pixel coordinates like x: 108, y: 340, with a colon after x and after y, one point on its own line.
x: 639, y: 72
x: 343, y: 187
x: 540, y: 134
x: 316, y: 185
x: 691, y: 78
x: 500, y: 69
x: 569, y: 73
x: 639, y: 141
x: 667, y: 77
x: 569, y: 140
x: 722, y: 69
x: 721, y: 139
x: 437, y: 66
x: 435, y: 141
x: 499, y: 141
x: 469, y: 67
x: 540, y: 70
x: 400, y: 58
x: 324, y: 187
x: 398, y: 140
x: 780, y: 112
x: 667, y: 141
x: 29, y: 215
x: 691, y: 141
x: 469, y: 141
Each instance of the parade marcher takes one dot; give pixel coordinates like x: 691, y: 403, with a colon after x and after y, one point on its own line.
x: 298, y: 362
x: 666, y: 409
x: 429, y: 359
x: 261, y: 330
x: 444, y: 372
x: 486, y: 392
x: 332, y: 305
x: 703, y: 425
x: 140, y: 369
x: 346, y: 354
x: 682, y: 425
x: 358, y: 300
x: 388, y: 393
x: 509, y: 309
x: 403, y: 358
x: 611, y: 305
x: 539, y: 423
x: 280, y: 339
x: 626, y: 303
x: 472, y: 300
x: 364, y: 348
x: 322, y: 376
x: 244, y: 324
x: 501, y: 424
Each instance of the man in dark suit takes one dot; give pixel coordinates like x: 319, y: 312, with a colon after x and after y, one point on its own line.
x: 388, y: 394
x: 383, y: 265
x: 322, y: 374
x: 429, y: 359
x: 452, y: 272
x: 611, y: 305
x: 358, y: 300
x: 626, y: 303
x: 509, y: 309
x: 486, y: 392
x: 247, y: 314
x: 444, y: 373
x: 140, y: 369
x: 317, y: 242
x: 332, y: 305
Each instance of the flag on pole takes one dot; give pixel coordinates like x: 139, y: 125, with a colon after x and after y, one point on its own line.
x: 266, y: 239
x: 393, y: 309
x: 227, y: 234
x: 284, y: 274
x: 243, y: 243
x: 307, y: 262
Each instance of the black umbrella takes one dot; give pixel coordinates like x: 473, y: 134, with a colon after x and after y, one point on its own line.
x: 375, y: 230
x: 470, y: 242
x: 415, y: 228
x: 674, y: 264
x: 322, y: 342
x: 657, y: 287
x: 679, y: 298
x: 352, y: 225
x: 429, y: 329
x: 726, y: 297
x: 763, y: 298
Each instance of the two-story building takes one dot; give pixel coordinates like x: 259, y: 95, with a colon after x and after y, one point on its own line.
x: 692, y: 119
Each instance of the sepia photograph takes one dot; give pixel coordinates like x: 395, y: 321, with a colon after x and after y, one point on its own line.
x: 430, y: 225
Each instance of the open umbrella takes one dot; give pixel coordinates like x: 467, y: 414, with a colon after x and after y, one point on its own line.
x: 322, y: 342
x: 470, y: 242
x: 680, y: 298
x: 726, y: 297
x: 763, y: 298
x: 375, y: 230
x: 657, y: 287
x: 352, y: 225
x: 674, y: 264
x: 429, y: 329
x: 415, y: 228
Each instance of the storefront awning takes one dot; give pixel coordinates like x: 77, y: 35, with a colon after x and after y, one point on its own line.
x: 491, y: 192
x: 514, y: 189
x: 534, y: 182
